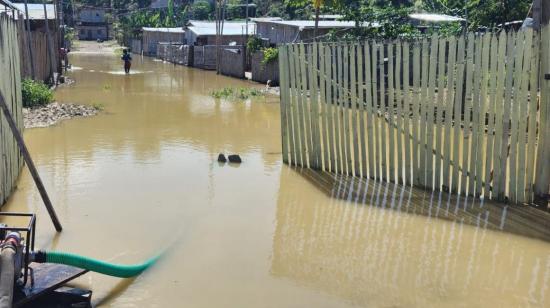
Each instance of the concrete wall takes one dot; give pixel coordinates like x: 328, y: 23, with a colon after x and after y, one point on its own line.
x: 262, y: 73
x: 233, y: 61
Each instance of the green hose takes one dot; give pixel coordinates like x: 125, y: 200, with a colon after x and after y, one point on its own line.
x: 111, y: 269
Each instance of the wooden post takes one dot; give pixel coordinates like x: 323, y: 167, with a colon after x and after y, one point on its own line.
x: 30, y: 164
x: 49, y: 42
x: 29, y: 40
x: 542, y: 180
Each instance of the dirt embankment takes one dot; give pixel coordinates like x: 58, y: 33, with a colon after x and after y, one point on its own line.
x: 54, y: 113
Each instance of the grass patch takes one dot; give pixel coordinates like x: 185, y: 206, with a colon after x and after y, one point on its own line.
x: 35, y: 93
x: 98, y: 106
x: 236, y: 93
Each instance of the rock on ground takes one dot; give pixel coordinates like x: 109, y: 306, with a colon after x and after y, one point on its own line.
x: 54, y: 113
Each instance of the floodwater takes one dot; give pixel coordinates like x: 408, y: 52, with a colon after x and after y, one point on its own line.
x: 143, y: 177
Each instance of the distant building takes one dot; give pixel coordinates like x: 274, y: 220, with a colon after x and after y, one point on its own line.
x: 200, y: 33
x: 288, y: 31
x: 151, y: 37
x: 92, y: 24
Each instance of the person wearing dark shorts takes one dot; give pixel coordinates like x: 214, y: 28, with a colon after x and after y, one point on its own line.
x: 127, y: 61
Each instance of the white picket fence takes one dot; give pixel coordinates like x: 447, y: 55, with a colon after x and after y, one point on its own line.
x: 460, y: 113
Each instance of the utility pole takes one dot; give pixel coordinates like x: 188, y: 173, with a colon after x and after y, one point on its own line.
x: 49, y: 42
x: 541, y: 10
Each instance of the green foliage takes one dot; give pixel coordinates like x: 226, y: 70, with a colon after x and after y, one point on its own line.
x: 70, y: 36
x: 35, y: 93
x: 253, y: 44
x: 270, y: 54
x: 236, y: 93
x: 201, y: 10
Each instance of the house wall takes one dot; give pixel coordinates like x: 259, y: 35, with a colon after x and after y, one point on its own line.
x: 194, y: 39
x: 93, y: 32
x: 152, y: 38
x: 92, y: 15
x: 276, y: 33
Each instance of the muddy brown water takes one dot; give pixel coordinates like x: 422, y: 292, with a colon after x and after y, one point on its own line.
x: 143, y: 176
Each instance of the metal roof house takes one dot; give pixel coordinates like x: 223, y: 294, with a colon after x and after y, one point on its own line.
x: 288, y: 31
x: 153, y: 36
x: 202, y: 33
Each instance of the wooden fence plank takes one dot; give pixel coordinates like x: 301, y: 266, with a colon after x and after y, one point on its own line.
x: 522, y: 117
x: 329, y: 69
x: 497, y: 60
x: 283, y: 69
x: 457, y: 114
x: 439, y: 109
x: 407, y: 114
x: 476, y: 115
x: 416, y: 113
x: 345, y: 112
x: 354, y: 113
x: 504, y: 129
x: 483, y: 111
x: 361, y: 104
x: 391, y: 103
x: 369, y: 98
x: 313, y: 79
x: 467, y: 108
x: 424, y: 102
x: 305, y: 106
x: 400, y: 162
x: 449, y: 99
x: 340, y: 116
x: 295, y: 148
x: 375, y: 110
x: 515, y: 109
x: 532, y: 127
x: 382, y: 132
x: 430, y: 104
x: 323, y: 105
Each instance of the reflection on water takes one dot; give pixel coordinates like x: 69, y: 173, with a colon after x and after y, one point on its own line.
x: 144, y: 172
x: 386, y: 245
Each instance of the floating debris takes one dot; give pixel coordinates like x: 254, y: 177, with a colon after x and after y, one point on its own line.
x: 55, y: 112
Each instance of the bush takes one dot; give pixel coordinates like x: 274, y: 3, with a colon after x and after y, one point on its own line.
x: 35, y: 93
x: 270, y: 54
x: 253, y: 44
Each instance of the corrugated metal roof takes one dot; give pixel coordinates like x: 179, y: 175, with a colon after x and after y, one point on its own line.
x: 264, y: 19
x: 170, y: 30
x: 36, y: 11
x: 323, y: 24
x: 429, y: 17
x: 229, y: 28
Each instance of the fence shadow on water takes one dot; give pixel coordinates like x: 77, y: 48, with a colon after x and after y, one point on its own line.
x: 376, y: 244
x: 521, y: 220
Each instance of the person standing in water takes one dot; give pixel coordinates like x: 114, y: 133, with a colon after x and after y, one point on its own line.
x: 127, y: 61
